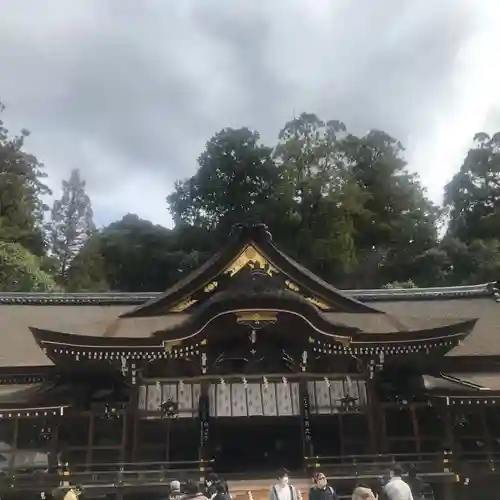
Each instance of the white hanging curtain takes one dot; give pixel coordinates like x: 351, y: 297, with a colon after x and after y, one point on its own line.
x: 186, y: 395
x: 254, y: 399
x: 326, y: 397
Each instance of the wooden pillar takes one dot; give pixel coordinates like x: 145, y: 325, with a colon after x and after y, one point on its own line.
x: 416, y: 433
x: 54, y: 445
x: 487, y: 438
x: 204, y: 419
x: 451, y: 460
x: 15, y: 439
x: 123, y: 450
x: 305, y: 416
x: 90, y: 439
x: 132, y: 416
x: 375, y: 418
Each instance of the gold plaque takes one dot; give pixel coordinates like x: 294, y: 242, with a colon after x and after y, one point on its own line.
x: 245, y: 317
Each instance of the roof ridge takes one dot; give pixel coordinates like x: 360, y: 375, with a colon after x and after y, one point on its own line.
x: 136, y: 298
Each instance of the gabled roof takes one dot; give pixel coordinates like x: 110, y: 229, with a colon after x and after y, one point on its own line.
x: 250, y: 247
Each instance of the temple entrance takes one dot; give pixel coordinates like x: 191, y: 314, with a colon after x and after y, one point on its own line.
x: 256, y: 444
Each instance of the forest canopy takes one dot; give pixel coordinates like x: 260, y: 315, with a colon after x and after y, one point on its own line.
x: 343, y: 205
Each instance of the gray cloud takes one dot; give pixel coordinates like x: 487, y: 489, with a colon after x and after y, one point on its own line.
x: 129, y: 91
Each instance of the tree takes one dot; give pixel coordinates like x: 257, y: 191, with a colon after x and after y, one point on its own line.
x: 21, y: 191
x: 398, y: 223
x: 472, y: 197
x: 236, y: 182
x: 134, y: 255
x: 321, y: 195
x: 71, y: 223
x: 87, y: 271
x: 20, y: 271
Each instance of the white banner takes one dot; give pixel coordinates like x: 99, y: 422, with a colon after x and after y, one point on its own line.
x: 254, y: 400
x: 326, y: 396
x: 187, y: 395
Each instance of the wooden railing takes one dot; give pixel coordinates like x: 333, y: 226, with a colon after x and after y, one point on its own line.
x: 106, y: 475
x: 435, y: 467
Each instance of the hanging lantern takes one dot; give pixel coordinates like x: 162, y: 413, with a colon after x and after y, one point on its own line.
x: 327, y: 382
x: 181, y: 385
x: 158, y: 385
x: 223, y: 383
x: 266, y: 383
x: 245, y: 382
x: 284, y: 380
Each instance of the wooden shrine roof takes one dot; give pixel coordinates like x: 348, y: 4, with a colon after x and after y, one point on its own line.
x: 414, y: 308
x: 249, y: 273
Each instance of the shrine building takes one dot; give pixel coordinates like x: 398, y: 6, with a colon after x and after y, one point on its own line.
x: 249, y: 364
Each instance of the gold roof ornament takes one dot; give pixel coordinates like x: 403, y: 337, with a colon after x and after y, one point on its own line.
x: 211, y: 287
x: 318, y: 303
x: 183, y: 305
x: 292, y: 286
x: 250, y: 256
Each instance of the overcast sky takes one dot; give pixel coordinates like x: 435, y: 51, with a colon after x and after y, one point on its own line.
x: 130, y: 90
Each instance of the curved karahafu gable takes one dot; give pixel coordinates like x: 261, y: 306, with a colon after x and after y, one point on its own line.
x: 287, y: 319
x: 249, y: 248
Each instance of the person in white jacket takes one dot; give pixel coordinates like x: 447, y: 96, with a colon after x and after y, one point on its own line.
x: 396, y: 488
x: 283, y: 490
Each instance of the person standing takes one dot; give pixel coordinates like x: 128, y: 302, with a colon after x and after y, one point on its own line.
x: 222, y: 491
x: 416, y: 484
x: 363, y: 493
x: 396, y: 488
x: 175, y: 491
x: 321, y: 490
x: 283, y: 490
x: 211, y: 485
x: 193, y: 491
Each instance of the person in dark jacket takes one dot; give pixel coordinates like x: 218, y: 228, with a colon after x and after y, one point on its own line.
x: 416, y: 483
x: 222, y: 492
x: 211, y: 482
x: 193, y: 491
x: 321, y: 490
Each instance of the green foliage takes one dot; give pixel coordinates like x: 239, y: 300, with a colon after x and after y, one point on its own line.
x: 344, y: 205
x: 20, y: 271
x: 236, y: 177
x: 135, y: 255
x: 71, y: 223
x: 21, y: 191
x: 473, y: 195
x: 398, y: 223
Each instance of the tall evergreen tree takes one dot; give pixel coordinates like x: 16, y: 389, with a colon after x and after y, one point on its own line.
x: 71, y: 223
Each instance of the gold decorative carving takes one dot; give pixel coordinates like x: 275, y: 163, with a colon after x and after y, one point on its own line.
x: 250, y: 256
x: 183, y: 305
x: 169, y: 345
x: 292, y: 286
x: 318, y: 303
x: 211, y: 287
x: 258, y: 317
